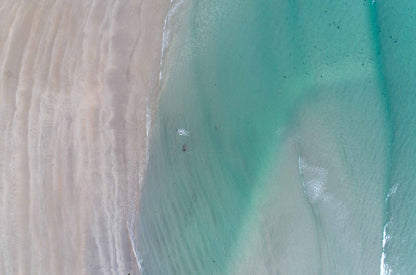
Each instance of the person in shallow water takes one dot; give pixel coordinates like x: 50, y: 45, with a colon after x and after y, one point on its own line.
x: 182, y: 132
x: 184, y: 148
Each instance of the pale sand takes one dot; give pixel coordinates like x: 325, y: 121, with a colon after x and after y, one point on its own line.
x: 76, y: 77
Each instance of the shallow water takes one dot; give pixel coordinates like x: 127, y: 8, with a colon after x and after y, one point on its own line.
x: 298, y: 122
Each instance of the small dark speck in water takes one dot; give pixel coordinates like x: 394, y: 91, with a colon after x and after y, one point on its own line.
x: 217, y: 127
x: 184, y: 148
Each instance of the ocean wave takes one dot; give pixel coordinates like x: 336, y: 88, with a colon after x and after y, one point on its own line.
x: 148, y: 117
x: 132, y: 239
x: 148, y: 128
x: 392, y: 191
x: 384, y: 267
x: 173, y: 7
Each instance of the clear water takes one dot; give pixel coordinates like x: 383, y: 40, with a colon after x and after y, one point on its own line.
x: 300, y: 146
x: 396, y: 25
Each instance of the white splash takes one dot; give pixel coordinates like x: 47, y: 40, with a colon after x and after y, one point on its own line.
x: 313, y: 180
x: 182, y: 132
x: 384, y: 268
x: 392, y: 191
x: 140, y: 265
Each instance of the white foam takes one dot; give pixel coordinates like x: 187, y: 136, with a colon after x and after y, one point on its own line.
x: 182, y: 132
x: 148, y: 118
x: 148, y: 128
x: 384, y: 267
x: 140, y: 264
x: 173, y: 7
x: 392, y: 191
x: 132, y: 243
x: 145, y: 163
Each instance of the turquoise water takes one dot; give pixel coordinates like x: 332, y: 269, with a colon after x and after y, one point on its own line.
x: 300, y: 141
x: 396, y: 27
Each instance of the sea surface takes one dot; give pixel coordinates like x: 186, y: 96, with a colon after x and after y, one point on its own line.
x: 284, y: 141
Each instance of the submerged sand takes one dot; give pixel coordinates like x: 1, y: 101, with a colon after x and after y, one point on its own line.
x: 78, y: 79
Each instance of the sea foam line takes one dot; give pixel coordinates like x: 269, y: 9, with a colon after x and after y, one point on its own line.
x: 384, y: 268
x: 173, y: 7
x: 392, y: 191
x: 147, y: 153
x: 132, y: 243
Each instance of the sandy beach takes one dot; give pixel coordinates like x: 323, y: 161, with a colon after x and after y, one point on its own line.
x: 77, y: 85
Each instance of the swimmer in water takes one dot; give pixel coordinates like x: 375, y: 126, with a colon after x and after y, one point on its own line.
x: 182, y: 132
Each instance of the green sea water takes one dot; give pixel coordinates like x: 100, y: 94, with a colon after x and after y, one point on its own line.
x: 300, y: 148
x: 396, y: 27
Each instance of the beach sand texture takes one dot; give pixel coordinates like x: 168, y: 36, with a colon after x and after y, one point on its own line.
x: 77, y: 81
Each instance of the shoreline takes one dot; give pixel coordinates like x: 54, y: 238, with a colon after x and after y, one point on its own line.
x: 78, y: 84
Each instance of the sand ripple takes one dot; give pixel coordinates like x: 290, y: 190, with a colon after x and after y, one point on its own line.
x: 75, y: 79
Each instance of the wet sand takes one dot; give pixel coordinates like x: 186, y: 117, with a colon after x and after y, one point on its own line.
x: 78, y: 80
